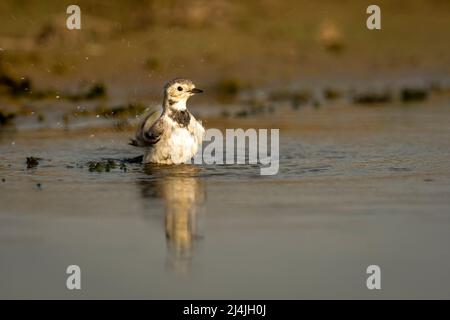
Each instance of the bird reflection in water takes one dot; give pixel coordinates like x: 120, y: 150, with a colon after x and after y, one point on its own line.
x: 183, y: 193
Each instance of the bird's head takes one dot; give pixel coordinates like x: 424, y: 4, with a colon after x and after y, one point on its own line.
x: 177, y: 92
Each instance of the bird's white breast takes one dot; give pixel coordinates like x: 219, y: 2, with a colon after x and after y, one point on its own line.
x: 178, y: 144
x: 178, y: 147
x: 183, y: 145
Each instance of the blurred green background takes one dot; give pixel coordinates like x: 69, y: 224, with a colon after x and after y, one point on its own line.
x: 140, y: 44
x: 252, y: 57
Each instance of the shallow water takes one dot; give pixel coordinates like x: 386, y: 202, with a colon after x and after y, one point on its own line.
x: 357, y: 186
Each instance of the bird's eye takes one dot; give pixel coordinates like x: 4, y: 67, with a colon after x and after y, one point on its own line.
x: 180, y: 89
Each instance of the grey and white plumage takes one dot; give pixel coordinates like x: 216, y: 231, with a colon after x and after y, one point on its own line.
x: 174, y: 137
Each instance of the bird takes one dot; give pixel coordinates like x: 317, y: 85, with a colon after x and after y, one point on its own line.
x: 175, y: 135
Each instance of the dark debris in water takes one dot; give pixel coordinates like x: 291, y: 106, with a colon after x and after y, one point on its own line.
x: 96, y: 91
x: 400, y: 169
x: 131, y: 109
x: 137, y: 159
x: 242, y: 114
x: 229, y: 86
x: 413, y: 94
x: 101, y: 166
x: 107, y: 165
x: 15, y: 87
x: 6, y: 118
x: 252, y: 107
x: 32, y: 162
x: 119, y: 112
x: 332, y: 93
x: 23, y: 87
x: 372, y: 98
x: 306, y: 97
x: 296, y: 98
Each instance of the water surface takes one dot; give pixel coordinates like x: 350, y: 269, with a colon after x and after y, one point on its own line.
x: 356, y: 186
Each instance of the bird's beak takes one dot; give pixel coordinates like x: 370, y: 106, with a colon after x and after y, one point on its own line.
x: 195, y: 90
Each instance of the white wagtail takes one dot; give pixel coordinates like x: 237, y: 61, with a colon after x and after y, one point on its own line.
x: 174, y: 137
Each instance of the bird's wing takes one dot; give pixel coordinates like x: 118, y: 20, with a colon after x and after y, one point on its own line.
x: 149, y: 131
x: 196, y: 128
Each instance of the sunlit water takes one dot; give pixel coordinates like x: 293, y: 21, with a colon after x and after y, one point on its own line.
x: 356, y: 186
